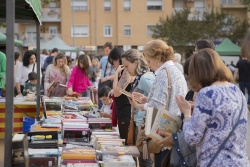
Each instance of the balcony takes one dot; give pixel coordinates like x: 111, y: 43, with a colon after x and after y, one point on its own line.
x: 29, y: 39
x: 195, y: 13
x: 51, y: 15
x: 231, y: 4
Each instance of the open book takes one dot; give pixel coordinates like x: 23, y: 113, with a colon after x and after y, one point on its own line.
x: 160, y: 120
x: 53, y: 84
x: 130, y: 95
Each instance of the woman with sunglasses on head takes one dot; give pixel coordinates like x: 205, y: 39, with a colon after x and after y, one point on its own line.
x: 134, y: 62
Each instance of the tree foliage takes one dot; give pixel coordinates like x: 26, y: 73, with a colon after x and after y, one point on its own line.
x: 179, y: 30
x: 246, y: 3
x: 2, y: 24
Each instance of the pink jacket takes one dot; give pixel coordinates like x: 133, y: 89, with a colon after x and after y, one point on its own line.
x: 78, y: 81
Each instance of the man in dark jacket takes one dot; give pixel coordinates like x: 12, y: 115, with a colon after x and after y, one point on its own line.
x: 49, y: 60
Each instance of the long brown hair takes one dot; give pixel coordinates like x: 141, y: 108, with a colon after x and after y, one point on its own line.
x: 64, y: 66
x: 205, y: 68
x: 85, y: 61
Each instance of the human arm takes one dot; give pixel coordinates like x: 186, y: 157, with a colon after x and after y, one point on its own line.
x: 26, y: 89
x: 71, y: 81
x: 194, y: 127
x: 19, y: 78
x: 3, y: 66
x: 236, y: 73
x: 111, y: 77
x: 47, y: 80
x: 105, y: 115
x: 122, y: 83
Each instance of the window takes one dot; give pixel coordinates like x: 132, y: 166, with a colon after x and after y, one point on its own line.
x: 127, y: 30
x: 154, y: 4
x: 80, y: 31
x: 127, y: 5
x: 52, y: 5
x: 107, y: 5
x: 150, y: 30
x: 227, y: 2
x: 79, y: 5
x: 107, y: 31
x: 30, y: 34
x: 53, y: 31
x: 199, y: 6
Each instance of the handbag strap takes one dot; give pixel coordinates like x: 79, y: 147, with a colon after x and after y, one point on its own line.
x: 169, y: 88
x: 133, y: 109
x: 230, y: 134
x: 33, y: 67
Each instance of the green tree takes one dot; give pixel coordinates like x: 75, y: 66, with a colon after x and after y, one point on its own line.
x: 246, y: 3
x: 2, y: 25
x: 179, y: 31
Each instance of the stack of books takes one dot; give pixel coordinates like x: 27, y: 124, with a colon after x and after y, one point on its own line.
x: 81, y: 156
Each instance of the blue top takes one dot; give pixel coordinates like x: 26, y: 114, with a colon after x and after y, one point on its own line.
x: 216, y: 111
x: 103, y: 63
x: 144, y: 86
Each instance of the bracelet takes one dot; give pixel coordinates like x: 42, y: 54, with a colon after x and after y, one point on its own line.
x: 187, y: 116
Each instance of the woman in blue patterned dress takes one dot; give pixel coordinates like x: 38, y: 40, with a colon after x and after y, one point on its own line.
x: 216, y: 110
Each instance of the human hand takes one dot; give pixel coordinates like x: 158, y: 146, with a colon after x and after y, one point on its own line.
x: 27, y: 90
x: 119, y: 69
x: 184, y: 105
x: 143, y: 99
x: 103, y: 79
x: 111, y: 93
x: 69, y: 91
x: 167, y: 141
x: 104, y: 114
x: 192, y: 105
x: 90, y: 88
x: 132, y: 101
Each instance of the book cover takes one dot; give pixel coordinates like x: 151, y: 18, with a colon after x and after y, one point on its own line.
x: 42, y: 161
x: 120, y: 150
x: 130, y: 95
x: 78, y: 153
x: 150, y: 117
x: 20, y: 155
x: 52, y: 85
x: 118, y: 161
x: 164, y: 121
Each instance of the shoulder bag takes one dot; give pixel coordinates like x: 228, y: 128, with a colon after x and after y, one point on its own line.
x: 131, y: 129
x: 147, y: 145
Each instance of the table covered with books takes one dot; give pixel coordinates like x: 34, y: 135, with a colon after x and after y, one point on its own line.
x: 72, y: 134
x: 22, y: 108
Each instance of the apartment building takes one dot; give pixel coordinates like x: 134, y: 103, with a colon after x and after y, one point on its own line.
x: 88, y: 24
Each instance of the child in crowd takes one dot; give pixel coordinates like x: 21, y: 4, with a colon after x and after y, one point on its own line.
x: 106, y: 100
x: 94, y: 78
x: 30, y: 87
x: 79, y: 79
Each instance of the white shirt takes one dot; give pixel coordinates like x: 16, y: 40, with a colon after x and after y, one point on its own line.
x: 106, y: 108
x: 23, y: 72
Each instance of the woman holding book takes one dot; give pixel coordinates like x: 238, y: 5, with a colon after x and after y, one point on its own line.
x: 160, y: 56
x: 79, y: 79
x: 218, y: 125
x: 136, y: 65
x: 57, y: 73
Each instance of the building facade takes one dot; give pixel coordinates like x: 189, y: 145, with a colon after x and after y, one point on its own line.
x: 88, y: 24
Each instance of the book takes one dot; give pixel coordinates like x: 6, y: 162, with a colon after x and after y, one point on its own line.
x: 62, y: 85
x: 161, y: 120
x: 86, y: 153
x: 52, y: 85
x: 120, y: 150
x: 130, y: 95
x: 42, y: 160
x: 118, y: 161
x: 20, y: 155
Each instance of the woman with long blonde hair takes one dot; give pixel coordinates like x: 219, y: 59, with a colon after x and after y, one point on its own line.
x: 57, y: 72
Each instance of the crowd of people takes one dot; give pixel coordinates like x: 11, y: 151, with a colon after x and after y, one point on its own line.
x: 213, y: 109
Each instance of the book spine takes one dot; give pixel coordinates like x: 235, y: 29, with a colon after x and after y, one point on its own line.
x: 87, y: 156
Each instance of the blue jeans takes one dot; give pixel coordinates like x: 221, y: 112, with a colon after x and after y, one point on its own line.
x: 243, y: 86
x: 99, y: 101
x: 1, y: 92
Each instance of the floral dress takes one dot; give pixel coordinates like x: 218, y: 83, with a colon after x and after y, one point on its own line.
x: 54, y: 76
